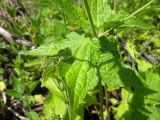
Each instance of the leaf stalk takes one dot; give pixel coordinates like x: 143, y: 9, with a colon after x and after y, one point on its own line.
x: 140, y: 9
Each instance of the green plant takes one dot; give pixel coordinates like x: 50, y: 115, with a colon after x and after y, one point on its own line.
x: 79, y: 58
x: 117, y: 58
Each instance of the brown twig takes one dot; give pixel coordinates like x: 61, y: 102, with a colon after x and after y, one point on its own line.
x: 16, y: 114
x: 4, y: 97
x: 12, y: 38
x: 37, y: 109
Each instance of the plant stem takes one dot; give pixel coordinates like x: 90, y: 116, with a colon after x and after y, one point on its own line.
x: 104, y: 33
x: 140, y: 9
x: 114, y: 4
x: 95, y: 35
x: 65, y: 21
x: 90, y: 18
x: 131, y: 15
x: 107, y: 105
x: 101, y: 99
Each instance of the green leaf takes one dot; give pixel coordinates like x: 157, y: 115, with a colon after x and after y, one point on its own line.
x: 31, y: 86
x: 14, y: 93
x: 100, y: 11
x: 75, y: 13
x: 28, y: 101
x: 50, y: 79
x: 136, y: 23
x: 143, y: 65
x: 51, y: 85
x: 118, y: 20
x: 18, y: 85
x: 53, y: 48
x: 144, y: 100
x: 81, y: 75
x: 35, y: 62
x: 115, y: 19
x: 80, y: 78
x: 33, y: 116
x: 53, y: 107
x: 59, y: 28
x: 113, y: 73
x: 157, y: 42
x: 90, y: 100
x: 92, y: 61
x: 124, y: 105
x: 152, y: 80
x: 18, y: 88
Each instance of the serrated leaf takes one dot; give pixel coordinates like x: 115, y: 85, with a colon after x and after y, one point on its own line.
x: 136, y: 23
x: 80, y: 77
x: 113, y: 74
x: 118, y: 20
x: 115, y: 19
x: 92, y: 60
x: 144, y: 100
x: 52, y: 49
x: 100, y: 10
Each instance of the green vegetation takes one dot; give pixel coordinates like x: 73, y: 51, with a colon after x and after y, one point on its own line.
x: 80, y: 60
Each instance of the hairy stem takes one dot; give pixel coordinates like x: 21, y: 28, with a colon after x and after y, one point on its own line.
x: 90, y: 18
